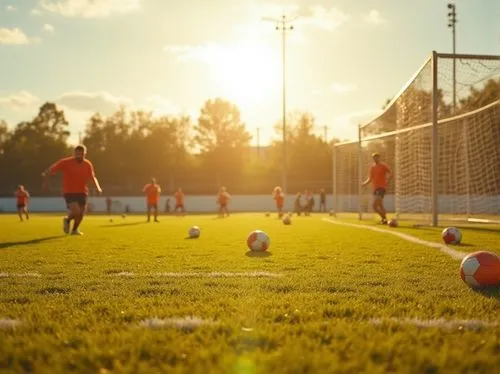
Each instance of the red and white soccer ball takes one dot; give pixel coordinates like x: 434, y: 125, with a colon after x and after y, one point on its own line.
x: 287, y: 220
x: 258, y: 241
x: 393, y: 222
x: 481, y: 269
x: 194, y: 232
x: 451, y: 235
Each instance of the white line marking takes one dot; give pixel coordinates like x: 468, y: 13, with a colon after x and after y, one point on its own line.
x: 6, y: 275
x: 183, y: 323
x: 9, y: 324
x: 470, y: 324
x: 457, y: 255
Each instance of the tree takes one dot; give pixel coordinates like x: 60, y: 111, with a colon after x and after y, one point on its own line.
x: 220, y: 136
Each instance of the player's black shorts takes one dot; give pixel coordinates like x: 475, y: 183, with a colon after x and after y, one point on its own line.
x: 79, y: 198
x: 21, y: 206
x: 152, y: 206
x: 380, y: 192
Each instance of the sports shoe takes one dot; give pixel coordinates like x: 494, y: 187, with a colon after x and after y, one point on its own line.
x: 66, y: 225
x: 384, y: 221
x: 76, y: 232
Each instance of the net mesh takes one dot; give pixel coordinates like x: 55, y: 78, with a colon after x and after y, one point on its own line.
x: 469, y: 143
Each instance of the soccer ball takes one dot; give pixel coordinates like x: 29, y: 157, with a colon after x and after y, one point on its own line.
x: 258, y: 241
x: 393, y: 222
x: 194, y: 232
x: 451, y: 235
x: 480, y: 269
x: 287, y: 220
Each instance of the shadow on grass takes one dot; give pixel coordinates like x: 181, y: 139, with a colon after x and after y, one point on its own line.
x: 29, y: 242
x: 111, y: 224
x: 258, y: 254
x: 191, y: 238
x: 492, y: 292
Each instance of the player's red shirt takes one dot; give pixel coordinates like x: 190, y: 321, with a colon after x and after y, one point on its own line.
x: 179, y: 198
x: 223, y: 198
x: 22, y: 197
x: 152, y: 191
x: 280, y: 199
x: 75, y: 174
x: 378, y: 174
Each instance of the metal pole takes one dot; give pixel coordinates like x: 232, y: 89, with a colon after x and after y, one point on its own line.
x: 285, y: 169
x: 334, y: 180
x: 452, y: 20
x: 435, y: 141
x: 283, y: 25
x: 360, y: 175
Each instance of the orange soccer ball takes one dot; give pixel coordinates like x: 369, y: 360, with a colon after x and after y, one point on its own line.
x: 481, y: 269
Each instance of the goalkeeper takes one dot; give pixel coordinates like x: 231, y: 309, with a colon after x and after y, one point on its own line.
x: 379, y: 176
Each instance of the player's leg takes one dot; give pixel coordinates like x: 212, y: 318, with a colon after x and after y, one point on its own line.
x: 20, y: 212
x: 79, y: 212
x: 382, y: 210
x: 25, y: 210
x: 155, y: 212
x: 148, y: 212
x: 74, y: 213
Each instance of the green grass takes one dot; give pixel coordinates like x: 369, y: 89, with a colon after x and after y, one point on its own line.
x: 340, y: 304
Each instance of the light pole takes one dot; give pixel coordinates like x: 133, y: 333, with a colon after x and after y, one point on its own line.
x: 452, y: 20
x: 283, y: 25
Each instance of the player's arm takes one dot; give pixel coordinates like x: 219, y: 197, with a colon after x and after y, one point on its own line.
x: 367, y: 180
x: 94, y: 179
x: 388, y: 174
x: 51, y: 170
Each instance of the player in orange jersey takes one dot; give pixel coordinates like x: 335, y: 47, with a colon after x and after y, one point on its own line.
x: 77, y: 171
x: 379, y: 176
x: 223, y: 200
x: 179, y: 201
x: 279, y: 197
x: 22, y: 198
x: 152, y: 191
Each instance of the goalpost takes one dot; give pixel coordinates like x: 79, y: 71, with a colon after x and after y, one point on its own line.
x: 444, y: 153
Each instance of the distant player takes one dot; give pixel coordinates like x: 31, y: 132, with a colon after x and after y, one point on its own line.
x: 109, y: 204
x: 22, y: 198
x: 223, y: 201
x: 279, y: 197
x: 322, y: 200
x: 179, y: 202
x: 152, y: 191
x: 297, y: 206
x: 76, y: 171
x: 379, y: 176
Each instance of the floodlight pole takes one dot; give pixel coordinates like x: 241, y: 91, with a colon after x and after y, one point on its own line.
x: 452, y: 20
x: 283, y: 25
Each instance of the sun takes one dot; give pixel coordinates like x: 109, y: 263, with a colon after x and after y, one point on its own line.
x: 248, y: 74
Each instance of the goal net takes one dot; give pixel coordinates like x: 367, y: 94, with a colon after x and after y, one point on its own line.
x: 465, y: 173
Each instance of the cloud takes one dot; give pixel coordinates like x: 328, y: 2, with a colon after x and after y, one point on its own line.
x: 321, y: 17
x: 342, y: 88
x: 89, y: 8
x: 101, y: 102
x: 374, y: 17
x: 20, y: 100
x: 13, y: 36
x: 10, y: 8
x: 48, y: 28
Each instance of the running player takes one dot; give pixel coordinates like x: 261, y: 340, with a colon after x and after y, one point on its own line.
x: 22, y: 198
x: 179, y: 202
x: 379, y: 176
x: 152, y: 191
x: 77, y: 171
x: 279, y: 197
x: 223, y: 201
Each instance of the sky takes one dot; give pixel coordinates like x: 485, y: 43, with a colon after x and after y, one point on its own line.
x: 344, y: 58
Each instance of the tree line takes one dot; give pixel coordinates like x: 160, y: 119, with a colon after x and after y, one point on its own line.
x: 130, y: 147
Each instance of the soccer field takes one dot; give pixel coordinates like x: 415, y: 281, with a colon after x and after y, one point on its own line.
x: 135, y: 297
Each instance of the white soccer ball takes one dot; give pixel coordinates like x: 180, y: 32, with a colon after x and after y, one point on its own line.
x: 194, y: 232
x: 451, y: 235
x: 287, y: 220
x: 258, y: 241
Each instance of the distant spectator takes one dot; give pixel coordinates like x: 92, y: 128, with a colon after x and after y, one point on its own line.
x: 322, y: 200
